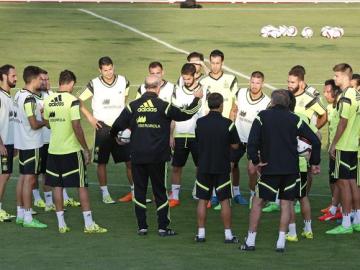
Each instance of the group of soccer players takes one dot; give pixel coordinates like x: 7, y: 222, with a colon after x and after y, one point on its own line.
x: 31, y: 123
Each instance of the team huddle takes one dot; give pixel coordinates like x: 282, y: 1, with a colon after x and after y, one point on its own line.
x: 206, y: 114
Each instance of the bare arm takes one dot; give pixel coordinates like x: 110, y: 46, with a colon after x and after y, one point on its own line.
x: 3, y: 151
x: 321, y: 120
x: 35, y: 124
x: 339, y: 132
x: 88, y: 115
x: 79, y: 133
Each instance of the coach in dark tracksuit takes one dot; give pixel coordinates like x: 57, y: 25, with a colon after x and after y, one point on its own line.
x: 149, y: 119
x: 272, y: 148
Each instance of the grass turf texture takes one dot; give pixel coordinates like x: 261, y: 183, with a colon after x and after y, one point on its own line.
x: 59, y: 36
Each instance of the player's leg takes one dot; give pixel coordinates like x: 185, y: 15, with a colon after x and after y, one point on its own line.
x: 6, y: 166
x: 224, y: 193
x: 19, y: 201
x: 356, y: 205
x: 121, y: 153
x: 38, y: 201
x: 204, y: 187
x: 253, y: 177
x: 235, y: 156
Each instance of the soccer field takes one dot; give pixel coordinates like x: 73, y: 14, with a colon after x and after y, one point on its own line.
x: 74, y: 36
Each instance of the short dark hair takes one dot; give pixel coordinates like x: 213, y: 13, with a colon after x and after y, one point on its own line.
x: 30, y: 73
x: 195, y: 54
x: 155, y: 64
x: 215, y: 100
x: 43, y: 71
x: 258, y: 74
x: 356, y: 77
x: 292, y: 102
x: 300, y: 68
x: 217, y: 53
x: 345, y: 68
x: 66, y: 76
x: 188, y: 69
x: 296, y: 72
x: 105, y: 61
x: 330, y: 82
x: 280, y: 97
x: 4, y: 70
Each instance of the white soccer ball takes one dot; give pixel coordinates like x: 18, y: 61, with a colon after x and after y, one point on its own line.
x: 304, y: 147
x: 324, y: 28
x: 124, y: 136
x: 283, y: 30
x: 274, y: 33
x: 291, y: 31
x: 265, y: 30
x: 307, y: 32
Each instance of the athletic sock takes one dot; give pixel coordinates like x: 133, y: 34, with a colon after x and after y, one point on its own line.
x: 104, y: 191
x: 27, y: 216
x: 250, y: 239
x: 61, y: 219
x: 346, y: 221
x: 292, y: 229
x: 236, y: 190
x: 307, y: 227
x: 357, y: 217
x: 88, y: 220
x: 36, y: 194
x: 332, y: 210
x: 65, y: 195
x: 19, y: 212
x: 48, y: 198
x: 175, y: 190
x: 228, y: 234
x: 201, y: 232
x: 281, y: 240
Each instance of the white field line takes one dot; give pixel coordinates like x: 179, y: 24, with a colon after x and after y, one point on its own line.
x: 186, y: 189
x: 164, y: 43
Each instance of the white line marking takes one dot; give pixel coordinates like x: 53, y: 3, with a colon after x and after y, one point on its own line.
x: 166, y: 44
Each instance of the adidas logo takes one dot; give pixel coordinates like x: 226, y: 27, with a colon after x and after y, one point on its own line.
x: 147, y: 106
x: 141, y: 119
x: 57, y: 101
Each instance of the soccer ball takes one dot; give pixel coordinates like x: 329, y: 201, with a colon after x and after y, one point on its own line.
x: 307, y: 32
x: 332, y: 32
x: 283, y: 30
x: 291, y: 31
x: 275, y: 33
x: 265, y: 30
x: 124, y: 136
x: 304, y: 147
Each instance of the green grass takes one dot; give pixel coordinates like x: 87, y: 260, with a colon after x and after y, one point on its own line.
x: 59, y: 36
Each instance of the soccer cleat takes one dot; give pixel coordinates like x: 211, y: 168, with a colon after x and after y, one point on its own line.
x: 240, y: 200
x: 49, y: 208
x: 94, y: 228
x: 356, y: 227
x: 64, y: 229
x: 245, y: 247
x: 142, y: 232
x: 328, y: 216
x: 19, y: 221
x: 217, y: 207
x: 297, y: 208
x: 199, y: 239
x: 214, y: 201
x: 271, y: 207
x: 33, y: 212
x: 290, y: 238
x: 40, y: 203
x: 174, y: 203
x: 340, y: 230
x: 34, y: 224
x: 5, y: 217
x: 280, y: 250
x: 325, y: 210
x: 167, y: 232
x: 307, y: 235
x: 71, y: 203
x: 127, y: 198
x: 233, y: 240
x: 108, y: 200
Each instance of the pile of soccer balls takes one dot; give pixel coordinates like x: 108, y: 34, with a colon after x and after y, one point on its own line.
x: 270, y: 31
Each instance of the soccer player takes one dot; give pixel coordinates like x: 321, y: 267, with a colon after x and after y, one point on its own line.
x: 355, y: 81
x: 344, y: 149
x: 202, y: 70
x: 8, y: 80
x: 28, y: 140
x: 109, y: 93
x: 214, y: 164
x: 183, y: 133
x: 332, y: 95
x: 66, y: 163
x: 250, y: 101
x: 274, y: 134
x: 225, y: 84
x: 166, y: 89
x: 149, y: 119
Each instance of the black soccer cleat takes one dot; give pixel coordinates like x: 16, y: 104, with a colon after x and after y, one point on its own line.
x: 167, y: 232
x: 245, y: 247
x: 199, y: 239
x: 233, y: 240
x: 280, y: 250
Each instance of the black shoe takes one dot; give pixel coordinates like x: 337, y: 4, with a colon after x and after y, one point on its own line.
x: 142, y: 232
x: 199, y: 239
x: 167, y: 232
x: 280, y: 250
x: 233, y: 240
x: 245, y: 247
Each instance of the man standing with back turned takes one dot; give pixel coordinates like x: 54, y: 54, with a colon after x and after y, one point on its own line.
x: 149, y: 119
